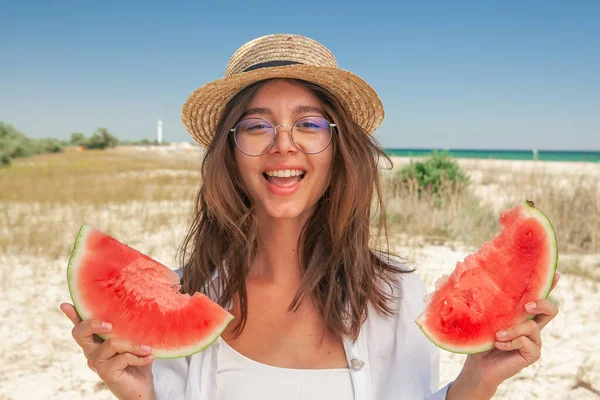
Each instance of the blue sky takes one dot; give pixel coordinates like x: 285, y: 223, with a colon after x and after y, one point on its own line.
x: 513, y: 74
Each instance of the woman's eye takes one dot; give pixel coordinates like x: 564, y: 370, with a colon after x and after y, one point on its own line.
x: 258, y: 126
x: 309, y: 125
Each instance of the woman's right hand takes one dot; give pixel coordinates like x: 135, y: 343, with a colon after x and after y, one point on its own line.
x: 126, y: 368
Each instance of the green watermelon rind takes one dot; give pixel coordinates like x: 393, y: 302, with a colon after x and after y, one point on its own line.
x: 188, y: 351
x: 72, y: 268
x: 74, y: 260
x: 529, y: 210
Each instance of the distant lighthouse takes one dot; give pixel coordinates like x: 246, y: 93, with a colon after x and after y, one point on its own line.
x: 159, y: 132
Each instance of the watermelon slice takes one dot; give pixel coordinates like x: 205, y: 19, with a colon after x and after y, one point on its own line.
x: 139, y: 297
x: 487, y: 292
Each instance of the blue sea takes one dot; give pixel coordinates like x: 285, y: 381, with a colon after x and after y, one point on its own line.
x: 543, y: 155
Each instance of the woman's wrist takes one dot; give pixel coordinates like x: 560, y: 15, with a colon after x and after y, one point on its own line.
x: 465, y: 388
x: 150, y: 396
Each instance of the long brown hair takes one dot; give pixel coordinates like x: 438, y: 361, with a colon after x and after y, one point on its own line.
x: 341, y: 274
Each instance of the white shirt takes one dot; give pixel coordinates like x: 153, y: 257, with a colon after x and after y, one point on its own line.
x: 241, y: 378
x: 390, y: 360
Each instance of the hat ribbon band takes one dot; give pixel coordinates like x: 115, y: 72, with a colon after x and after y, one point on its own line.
x: 268, y: 64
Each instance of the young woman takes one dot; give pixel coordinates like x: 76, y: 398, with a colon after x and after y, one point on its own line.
x: 283, y: 240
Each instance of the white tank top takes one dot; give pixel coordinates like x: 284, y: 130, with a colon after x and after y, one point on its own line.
x: 241, y: 378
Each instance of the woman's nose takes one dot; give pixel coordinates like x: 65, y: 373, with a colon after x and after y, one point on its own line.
x: 283, y: 140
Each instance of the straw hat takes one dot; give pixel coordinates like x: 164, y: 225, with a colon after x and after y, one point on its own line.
x: 280, y: 56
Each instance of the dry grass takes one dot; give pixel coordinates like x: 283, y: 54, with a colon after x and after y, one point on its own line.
x: 470, y: 216
x: 127, y: 193
x: 45, y: 199
x: 572, y: 204
x: 584, y: 266
x: 583, y: 379
x: 98, y: 177
x: 452, y: 214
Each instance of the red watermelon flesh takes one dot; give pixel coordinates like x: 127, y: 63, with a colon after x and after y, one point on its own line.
x: 112, y: 282
x: 487, y: 292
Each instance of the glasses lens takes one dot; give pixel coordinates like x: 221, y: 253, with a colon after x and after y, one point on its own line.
x: 254, y: 136
x: 312, y: 134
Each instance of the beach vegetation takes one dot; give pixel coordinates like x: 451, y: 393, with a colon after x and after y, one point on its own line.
x: 112, y: 189
x: 433, y: 174
x: 101, y: 139
x: 15, y: 144
x: 78, y: 139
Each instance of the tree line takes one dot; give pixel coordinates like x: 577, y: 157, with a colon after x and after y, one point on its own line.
x: 15, y: 144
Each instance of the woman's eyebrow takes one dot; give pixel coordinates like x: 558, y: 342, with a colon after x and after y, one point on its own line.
x: 257, y: 110
x: 302, y: 109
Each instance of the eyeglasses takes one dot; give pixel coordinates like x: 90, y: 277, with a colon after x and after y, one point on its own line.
x: 256, y: 136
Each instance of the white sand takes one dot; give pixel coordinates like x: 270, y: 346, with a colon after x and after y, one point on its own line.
x: 40, y: 360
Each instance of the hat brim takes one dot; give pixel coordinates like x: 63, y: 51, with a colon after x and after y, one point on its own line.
x: 202, y: 110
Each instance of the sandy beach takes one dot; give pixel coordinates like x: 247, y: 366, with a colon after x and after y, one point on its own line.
x: 40, y: 360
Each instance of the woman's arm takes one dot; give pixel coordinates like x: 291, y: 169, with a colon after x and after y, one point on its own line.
x: 464, y: 388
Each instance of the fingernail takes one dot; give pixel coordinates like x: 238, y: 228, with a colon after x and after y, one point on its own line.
x: 106, y: 325
x: 530, y: 306
x: 146, y: 348
x: 501, y: 334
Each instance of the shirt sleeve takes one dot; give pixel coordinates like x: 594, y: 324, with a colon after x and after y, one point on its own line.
x: 170, y: 378
x: 170, y: 374
x: 440, y: 394
x: 436, y: 394
x: 434, y: 355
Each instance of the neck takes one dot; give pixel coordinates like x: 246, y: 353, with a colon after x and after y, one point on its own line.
x: 278, y: 257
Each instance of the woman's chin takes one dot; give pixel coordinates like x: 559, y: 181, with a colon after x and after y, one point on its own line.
x: 287, y: 211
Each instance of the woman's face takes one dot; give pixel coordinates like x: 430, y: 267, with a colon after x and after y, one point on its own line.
x: 283, y: 102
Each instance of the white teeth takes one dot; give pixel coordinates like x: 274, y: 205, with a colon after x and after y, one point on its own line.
x: 285, y: 172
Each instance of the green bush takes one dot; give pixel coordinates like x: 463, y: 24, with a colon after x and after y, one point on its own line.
x: 5, y: 159
x: 101, y: 139
x: 77, y: 139
x: 143, y: 142
x: 437, y: 171
x: 15, y: 144
x: 49, y: 145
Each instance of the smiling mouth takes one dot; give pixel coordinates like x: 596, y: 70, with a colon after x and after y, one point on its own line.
x: 283, y: 181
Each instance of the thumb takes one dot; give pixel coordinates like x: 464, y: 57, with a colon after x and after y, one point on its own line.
x: 555, y: 281
x: 70, y: 312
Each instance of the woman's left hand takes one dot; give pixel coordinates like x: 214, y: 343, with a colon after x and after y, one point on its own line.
x: 514, y: 349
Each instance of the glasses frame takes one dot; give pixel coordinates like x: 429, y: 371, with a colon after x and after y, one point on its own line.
x: 290, y: 132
